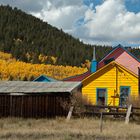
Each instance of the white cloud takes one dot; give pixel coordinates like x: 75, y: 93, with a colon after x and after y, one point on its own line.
x: 61, y: 13
x: 106, y: 24
x: 109, y: 23
x: 26, y: 5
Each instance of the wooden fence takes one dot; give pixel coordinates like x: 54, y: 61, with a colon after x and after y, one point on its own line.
x: 96, y: 110
x: 32, y: 106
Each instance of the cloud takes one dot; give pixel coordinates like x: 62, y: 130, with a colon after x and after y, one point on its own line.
x: 63, y: 3
x: 26, y: 5
x: 109, y: 23
x: 62, y: 13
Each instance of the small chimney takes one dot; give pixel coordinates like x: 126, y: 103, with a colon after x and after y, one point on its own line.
x: 93, y: 65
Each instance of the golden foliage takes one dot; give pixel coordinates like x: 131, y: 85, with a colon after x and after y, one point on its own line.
x: 10, y: 69
x: 6, y: 56
x: 86, y: 64
x: 44, y: 59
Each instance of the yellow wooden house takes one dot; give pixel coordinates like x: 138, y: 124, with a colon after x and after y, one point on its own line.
x: 110, y: 85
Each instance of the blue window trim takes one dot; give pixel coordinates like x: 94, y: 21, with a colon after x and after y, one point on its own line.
x: 126, y: 87
x: 128, y: 93
x: 106, y: 97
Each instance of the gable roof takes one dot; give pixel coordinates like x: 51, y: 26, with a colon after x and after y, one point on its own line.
x: 44, y: 78
x: 123, y: 57
x: 121, y: 47
x: 27, y: 87
x: 81, y: 77
x: 113, y: 63
x: 78, y: 77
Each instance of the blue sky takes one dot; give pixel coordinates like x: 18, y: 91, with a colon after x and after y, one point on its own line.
x: 131, y: 5
x: 108, y: 22
x: 95, y: 2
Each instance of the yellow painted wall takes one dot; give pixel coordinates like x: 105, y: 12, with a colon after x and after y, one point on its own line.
x: 111, y: 78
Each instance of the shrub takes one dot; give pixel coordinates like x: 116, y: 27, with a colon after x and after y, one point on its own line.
x: 78, y: 102
x: 135, y: 101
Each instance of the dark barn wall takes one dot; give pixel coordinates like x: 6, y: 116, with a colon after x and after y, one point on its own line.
x: 33, y: 106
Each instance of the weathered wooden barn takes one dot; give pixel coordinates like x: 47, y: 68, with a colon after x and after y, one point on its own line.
x: 35, y: 99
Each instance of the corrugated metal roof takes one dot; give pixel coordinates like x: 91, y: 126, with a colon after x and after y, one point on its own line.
x: 37, y: 87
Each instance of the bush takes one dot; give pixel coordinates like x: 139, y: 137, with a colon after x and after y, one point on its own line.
x: 135, y: 101
x: 78, y: 102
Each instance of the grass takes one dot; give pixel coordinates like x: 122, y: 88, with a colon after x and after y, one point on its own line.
x: 59, y: 129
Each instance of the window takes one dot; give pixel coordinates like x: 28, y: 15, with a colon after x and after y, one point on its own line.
x: 107, y: 61
x: 101, y: 96
x: 124, y: 94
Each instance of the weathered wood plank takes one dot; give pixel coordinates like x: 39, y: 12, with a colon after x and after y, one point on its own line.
x: 128, y: 114
x: 70, y: 113
x: 31, y: 106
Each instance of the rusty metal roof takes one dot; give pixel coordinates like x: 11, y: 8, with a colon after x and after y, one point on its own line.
x: 37, y: 87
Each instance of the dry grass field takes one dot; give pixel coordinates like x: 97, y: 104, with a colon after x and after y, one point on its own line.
x: 59, y: 129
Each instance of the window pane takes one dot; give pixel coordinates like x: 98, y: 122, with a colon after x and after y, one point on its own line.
x: 101, y: 96
x: 124, y: 93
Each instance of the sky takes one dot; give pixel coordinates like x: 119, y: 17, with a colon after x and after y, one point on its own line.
x: 101, y: 22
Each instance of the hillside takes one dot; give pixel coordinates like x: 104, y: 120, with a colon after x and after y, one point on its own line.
x: 21, y: 33
x: 11, y: 69
x: 31, y: 40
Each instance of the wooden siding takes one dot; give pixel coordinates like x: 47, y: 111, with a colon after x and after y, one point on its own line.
x: 32, y: 106
x: 111, y: 78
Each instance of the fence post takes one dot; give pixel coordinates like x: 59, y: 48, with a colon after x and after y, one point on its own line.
x: 101, y: 122
x: 128, y: 114
x: 70, y: 113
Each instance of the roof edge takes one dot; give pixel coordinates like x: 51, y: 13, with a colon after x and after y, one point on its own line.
x: 47, y: 77
x: 120, y: 46
x: 75, y: 76
x: 113, y: 62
